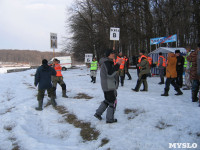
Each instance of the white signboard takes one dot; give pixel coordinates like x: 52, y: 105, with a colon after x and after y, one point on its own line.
x: 114, y: 34
x: 53, y: 38
x: 88, y: 58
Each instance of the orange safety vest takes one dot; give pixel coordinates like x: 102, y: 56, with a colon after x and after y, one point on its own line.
x: 58, y: 69
x: 123, y: 62
x: 164, y: 61
x: 149, y: 60
x: 139, y: 61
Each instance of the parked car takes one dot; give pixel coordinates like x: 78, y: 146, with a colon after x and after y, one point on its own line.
x: 65, y: 62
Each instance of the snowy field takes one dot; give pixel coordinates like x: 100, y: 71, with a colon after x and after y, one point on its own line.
x: 146, y: 121
x: 5, y: 69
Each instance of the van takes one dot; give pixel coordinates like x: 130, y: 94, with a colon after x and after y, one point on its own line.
x: 65, y: 62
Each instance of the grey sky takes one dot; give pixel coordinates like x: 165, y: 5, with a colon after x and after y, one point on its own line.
x: 26, y: 24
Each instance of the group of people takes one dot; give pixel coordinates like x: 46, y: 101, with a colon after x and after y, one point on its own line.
x: 47, y: 77
x: 113, y: 71
x: 173, y: 68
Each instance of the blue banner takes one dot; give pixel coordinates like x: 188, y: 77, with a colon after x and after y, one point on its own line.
x: 172, y: 38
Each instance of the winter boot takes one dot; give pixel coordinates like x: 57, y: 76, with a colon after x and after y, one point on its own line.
x: 194, y: 96
x: 165, y: 93
x: 94, y: 79
x: 137, y: 87
x: 113, y: 121
x: 179, y: 92
x: 64, y: 94
x: 53, y: 102
x: 98, y: 116
x: 40, y: 103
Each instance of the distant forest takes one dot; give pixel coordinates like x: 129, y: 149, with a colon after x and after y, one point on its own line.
x: 138, y: 20
x: 31, y: 57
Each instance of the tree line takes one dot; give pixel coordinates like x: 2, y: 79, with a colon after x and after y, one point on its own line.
x: 31, y: 57
x: 138, y: 20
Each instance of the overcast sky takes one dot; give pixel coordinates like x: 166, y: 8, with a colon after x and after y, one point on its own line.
x: 26, y: 24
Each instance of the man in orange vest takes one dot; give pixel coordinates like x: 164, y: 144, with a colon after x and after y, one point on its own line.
x: 127, y: 67
x: 161, y: 66
x: 122, y: 68
x: 58, y: 78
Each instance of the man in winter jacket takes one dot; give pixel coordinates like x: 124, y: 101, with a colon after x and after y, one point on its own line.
x: 171, y: 75
x: 127, y: 67
x: 143, y: 73
x: 109, y: 84
x: 43, y: 78
x: 58, y: 78
x: 187, y: 66
x: 93, y: 70
x: 193, y: 73
x: 161, y: 66
x: 122, y: 68
x: 179, y: 68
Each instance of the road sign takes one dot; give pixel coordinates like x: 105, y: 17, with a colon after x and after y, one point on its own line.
x: 88, y: 58
x: 114, y: 34
x: 53, y: 38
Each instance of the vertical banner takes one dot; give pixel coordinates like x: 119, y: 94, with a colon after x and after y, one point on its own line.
x: 53, y: 40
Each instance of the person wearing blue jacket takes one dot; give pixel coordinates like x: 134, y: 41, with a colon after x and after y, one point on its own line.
x: 43, y: 80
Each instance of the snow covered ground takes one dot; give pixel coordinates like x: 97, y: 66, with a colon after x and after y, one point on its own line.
x: 5, y: 69
x: 146, y: 121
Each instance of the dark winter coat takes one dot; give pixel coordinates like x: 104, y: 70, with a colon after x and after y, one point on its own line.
x: 144, y: 67
x: 108, y: 74
x: 43, y: 77
x: 171, y: 66
x: 193, y: 70
x: 180, y: 65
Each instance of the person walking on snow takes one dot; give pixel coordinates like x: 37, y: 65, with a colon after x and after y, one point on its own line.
x: 171, y: 75
x: 109, y: 84
x: 127, y: 67
x: 195, y: 79
x: 58, y: 78
x: 122, y: 68
x: 93, y: 70
x: 43, y: 78
x: 179, y: 68
x: 187, y: 66
x: 143, y: 73
x: 161, y: 66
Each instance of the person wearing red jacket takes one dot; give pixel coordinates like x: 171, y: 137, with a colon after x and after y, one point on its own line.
x: 58, y: 78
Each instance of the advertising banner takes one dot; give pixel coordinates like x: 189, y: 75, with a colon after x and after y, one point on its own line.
x: 171, y: 38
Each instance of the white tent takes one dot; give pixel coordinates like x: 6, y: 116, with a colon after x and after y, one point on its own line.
x: 168, y: 49
x: 165, y: 50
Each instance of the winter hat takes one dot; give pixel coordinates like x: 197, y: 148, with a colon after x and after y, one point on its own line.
x: 177, y: 51
x: 160, y: 53
x: 109, y: 51
x: 44, y: 62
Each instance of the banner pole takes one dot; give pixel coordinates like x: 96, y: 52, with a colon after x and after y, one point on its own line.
x: 114, y: 45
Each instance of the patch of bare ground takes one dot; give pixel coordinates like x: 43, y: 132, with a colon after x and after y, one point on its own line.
x: 104, y: 141
x: 82, y: 96
x: 87, y: 132
x: 132, y: 113
x: 161, y: 125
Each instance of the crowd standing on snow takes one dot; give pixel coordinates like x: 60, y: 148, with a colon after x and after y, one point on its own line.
x: 113, y: 70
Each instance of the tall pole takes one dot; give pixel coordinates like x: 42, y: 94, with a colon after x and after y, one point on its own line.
x: 114, y: 45
x: 53, y: 52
